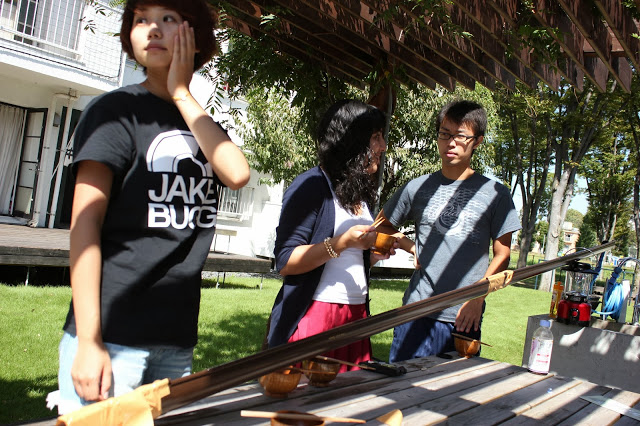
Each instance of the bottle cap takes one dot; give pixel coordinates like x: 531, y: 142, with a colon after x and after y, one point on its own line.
x: 545, y: 323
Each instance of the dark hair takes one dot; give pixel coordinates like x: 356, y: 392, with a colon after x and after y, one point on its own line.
x: 343, y: 151
x: 464, y: 112
x: 200, y: 16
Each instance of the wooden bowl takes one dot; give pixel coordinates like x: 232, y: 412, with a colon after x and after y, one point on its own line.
x: 466, y: 348
x: 296, y: 422
x: 279, y: 383
x: 383, y: 243
x: 320, y: 373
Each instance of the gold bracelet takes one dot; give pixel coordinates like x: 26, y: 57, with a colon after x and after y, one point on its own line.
x: 330, y: 249
x: 181, y: 98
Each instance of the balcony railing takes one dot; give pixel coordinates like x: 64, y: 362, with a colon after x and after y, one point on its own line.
x: 236, y: 204
x: 79, y: 34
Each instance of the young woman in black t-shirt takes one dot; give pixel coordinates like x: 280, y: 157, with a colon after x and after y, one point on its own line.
x: 147, y: 162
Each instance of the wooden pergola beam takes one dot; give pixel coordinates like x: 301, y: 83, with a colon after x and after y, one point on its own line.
x: 481, y: 21
x: 421, y: 51
x: 623, y: 27
x: 599, y: 38
x: 458, y: 42
x: 359, y: 21
x: 462, y: 56
x: 289, y: 48
x: 508, y: 11
x: 290, y: 33
x: 551, y: 16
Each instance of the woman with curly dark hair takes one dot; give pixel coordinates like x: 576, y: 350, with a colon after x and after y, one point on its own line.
x: 324, y: 235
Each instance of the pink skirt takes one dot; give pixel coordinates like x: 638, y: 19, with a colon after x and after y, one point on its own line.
x: 323, y: 316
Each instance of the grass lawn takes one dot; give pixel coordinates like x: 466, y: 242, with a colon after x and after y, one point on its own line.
x: 232, y: 325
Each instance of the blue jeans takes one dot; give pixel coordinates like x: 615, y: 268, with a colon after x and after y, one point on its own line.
x: 423, y: 337
x: 131, y: 367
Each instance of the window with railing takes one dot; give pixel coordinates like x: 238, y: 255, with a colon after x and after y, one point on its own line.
x: 81, y: 31
x: 52, y: 25
x: 235, y: 204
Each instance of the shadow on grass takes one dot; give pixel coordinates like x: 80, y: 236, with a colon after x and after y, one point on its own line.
x: 25, y: 400
x: 389, y: 284
x: 228, y: 285
x: 524, y: 284
x: 237, y: 337
x: 36, y: 275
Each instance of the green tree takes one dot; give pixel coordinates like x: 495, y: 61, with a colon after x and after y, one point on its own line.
x: 631, y: 113
x: 575, y: 217
x: 572, y: 128
x: 286, y: 98
x: 549, y: 132
x: 587, y: 233
x: 540, y: 234
x: 624, y: 236
x: 523, y: 155
x: 609, y: 170
x: 272, y: 137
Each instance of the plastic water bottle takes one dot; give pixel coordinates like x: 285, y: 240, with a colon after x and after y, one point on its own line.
x: 541, y: 347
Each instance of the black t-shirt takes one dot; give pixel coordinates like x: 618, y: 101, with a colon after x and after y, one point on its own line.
x: 159, y: 222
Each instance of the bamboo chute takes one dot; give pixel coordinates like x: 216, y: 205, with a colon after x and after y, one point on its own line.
x: 194, y: 387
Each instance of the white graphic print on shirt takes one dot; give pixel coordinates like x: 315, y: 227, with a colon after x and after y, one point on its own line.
x: 448, y: 215
x: 169, y: 153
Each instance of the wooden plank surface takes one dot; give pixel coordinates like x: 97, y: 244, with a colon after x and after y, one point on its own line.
x: 594, y: 414
x: 563, y: 404
x: 461, y: 391
x: 26, y: 246
x: 519, y: 401
x: 628, y: 421
x: 352, y: 388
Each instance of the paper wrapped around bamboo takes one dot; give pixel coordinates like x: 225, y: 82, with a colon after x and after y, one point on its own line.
x: 136, y: 408
x: 499, y: 280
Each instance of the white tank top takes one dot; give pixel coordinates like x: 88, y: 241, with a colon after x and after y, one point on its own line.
x: 343, y: 279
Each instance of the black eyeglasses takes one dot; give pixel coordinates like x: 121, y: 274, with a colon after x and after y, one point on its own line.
x: 460, y: 138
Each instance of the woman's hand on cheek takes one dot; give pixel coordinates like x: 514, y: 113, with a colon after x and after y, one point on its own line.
x: 182, y: 61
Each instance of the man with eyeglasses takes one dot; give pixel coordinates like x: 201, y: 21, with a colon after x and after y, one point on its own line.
x: 457, y: 214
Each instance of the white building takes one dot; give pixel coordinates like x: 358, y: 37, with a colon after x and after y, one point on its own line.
x: 55, y: 56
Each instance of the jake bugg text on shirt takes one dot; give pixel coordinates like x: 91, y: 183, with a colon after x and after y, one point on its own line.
x: 187, y: 196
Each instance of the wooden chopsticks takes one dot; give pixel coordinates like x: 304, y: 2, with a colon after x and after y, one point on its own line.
x: 460, y: 336
x: 297, y: 416
x: 375, y: 224
x: 378, y: 221
x: 339, y: 361
x: 298, y: 370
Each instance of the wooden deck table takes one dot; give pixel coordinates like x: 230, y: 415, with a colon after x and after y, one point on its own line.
x: 26, y: 246
x: 473, y: 391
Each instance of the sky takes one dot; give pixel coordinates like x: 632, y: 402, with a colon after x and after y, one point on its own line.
x: 579, y: 202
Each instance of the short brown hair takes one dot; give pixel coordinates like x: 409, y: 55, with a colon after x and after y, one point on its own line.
x: 200, y: 16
